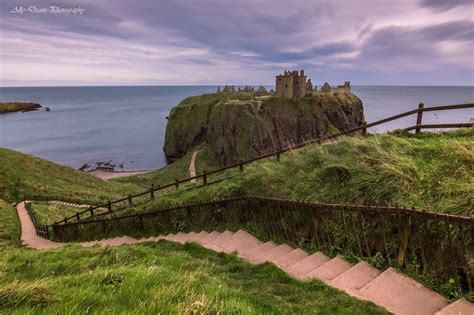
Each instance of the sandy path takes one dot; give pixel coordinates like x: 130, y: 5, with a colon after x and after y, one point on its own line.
x: 192, y: 166
x: 109, y: 175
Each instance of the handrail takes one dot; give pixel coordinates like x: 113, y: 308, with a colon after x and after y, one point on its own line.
x: 240, y: 164
x: 330, y: 206
x: 402, y: 237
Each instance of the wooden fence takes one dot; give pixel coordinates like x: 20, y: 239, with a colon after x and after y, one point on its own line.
x: 130, y: 200
x: 41, y: 229
x: 426, y: 243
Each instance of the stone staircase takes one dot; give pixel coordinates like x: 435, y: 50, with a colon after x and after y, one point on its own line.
x: 389, y: 289
x: 395, y: 292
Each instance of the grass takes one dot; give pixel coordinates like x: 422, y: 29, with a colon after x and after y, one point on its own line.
x: 152, y: 278
x: 48, y: 213
x: 177, y: 170
x: 428, y: 171
x: 9, y: 226
x: 23, y: 174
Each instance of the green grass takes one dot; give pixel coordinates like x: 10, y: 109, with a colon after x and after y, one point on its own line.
x: 48, y: 213
x: 9, y: 226
x: 152, y: 278
x: 176, y: 170
x: 23, y: 174
x: 428, y: 171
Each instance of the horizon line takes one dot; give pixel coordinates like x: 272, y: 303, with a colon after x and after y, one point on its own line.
x: 216, y: 85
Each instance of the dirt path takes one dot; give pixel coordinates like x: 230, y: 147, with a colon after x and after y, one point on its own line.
x: 192, y: 166
x: 109, y: 175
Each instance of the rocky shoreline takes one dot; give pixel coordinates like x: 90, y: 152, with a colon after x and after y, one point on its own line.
x: 10, y: 107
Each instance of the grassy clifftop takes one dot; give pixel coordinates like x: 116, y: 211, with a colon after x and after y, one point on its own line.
x: 428, y: 171
x: 22, y: 174
x: 237, y: 126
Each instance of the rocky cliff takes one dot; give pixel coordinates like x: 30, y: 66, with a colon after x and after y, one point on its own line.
x: 10, y: 107
x: 237, y: 126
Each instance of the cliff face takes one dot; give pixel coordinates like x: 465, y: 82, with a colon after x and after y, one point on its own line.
x: 235, y: 126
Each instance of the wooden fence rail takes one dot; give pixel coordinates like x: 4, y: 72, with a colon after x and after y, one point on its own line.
x: 127, y: 201
x: 41, y: 229
x: 438, y: 244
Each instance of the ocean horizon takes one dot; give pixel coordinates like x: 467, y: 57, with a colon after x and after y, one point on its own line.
x: 126, y: 124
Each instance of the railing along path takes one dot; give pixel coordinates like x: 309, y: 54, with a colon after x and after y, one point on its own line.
x: 128, y: 201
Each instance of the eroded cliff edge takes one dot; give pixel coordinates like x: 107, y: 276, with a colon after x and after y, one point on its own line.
x: 238, y: 126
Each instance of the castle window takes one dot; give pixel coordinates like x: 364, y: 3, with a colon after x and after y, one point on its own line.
x: 286, y: 85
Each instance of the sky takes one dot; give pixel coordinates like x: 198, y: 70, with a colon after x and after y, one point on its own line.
x: 204, y: 42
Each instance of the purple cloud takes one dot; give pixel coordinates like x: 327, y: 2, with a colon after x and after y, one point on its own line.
x: 217, y: 42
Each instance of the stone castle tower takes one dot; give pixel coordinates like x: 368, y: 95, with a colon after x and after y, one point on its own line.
x: 291, y: 84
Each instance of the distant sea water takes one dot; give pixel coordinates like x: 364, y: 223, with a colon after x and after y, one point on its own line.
x: 127, y: 124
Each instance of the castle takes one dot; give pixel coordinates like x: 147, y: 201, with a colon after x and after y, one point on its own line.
x: 293, y: 84
x: 290, y: 84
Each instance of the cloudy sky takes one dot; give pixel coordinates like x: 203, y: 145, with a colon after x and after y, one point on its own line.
x: 155, y: 42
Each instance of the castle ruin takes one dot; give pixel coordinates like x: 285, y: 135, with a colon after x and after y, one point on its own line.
x: 291, y: 84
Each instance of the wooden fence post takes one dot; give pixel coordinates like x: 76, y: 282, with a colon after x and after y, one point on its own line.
x: 152, y: 191
x: 130, y: 200
x: 77, y: 216
x: 204, y: 177
x: 176, y: 183
x: 91, y: 211
x: 404, y: 239
x: 109, y: 206
x: 241, y: 165
x: 278, y: 155
x: 364, y: 131
x: 419, y: 117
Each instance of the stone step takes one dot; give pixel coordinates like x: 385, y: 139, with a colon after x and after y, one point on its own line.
x: 181, y: 237
x: 402, y: 295
x: 301, y: 268
x: 196, y: 238
x: 117, y: 241
x: 330, y: 270
x: 170, y: 237
x: 289, y: 259
x: 215, y: 245
x: 271, y: 255
x: 144, y: 239
x: 89, y: 244
x: 208, y: 238
x: 351, y: 280
x: 188, y: 237
x: 459, y: 307
x: 257, y: 250
x: 240, y: 240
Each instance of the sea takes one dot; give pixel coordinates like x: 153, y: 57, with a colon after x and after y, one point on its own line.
x: 126, y: 125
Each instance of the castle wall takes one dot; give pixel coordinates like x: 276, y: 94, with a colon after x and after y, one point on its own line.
x: 299, y: 88
x: 284, y: 86
x: 291, y: 85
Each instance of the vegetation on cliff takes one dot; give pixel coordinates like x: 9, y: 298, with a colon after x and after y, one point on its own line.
x: 9, y: 107
x: 23, y: 174
x: 430, y: 171
x: 235, y: 126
